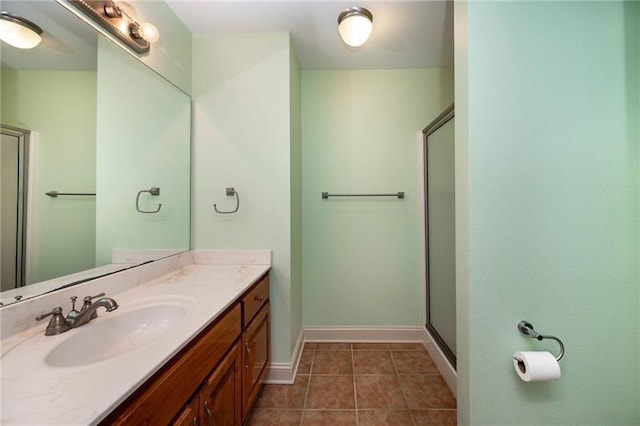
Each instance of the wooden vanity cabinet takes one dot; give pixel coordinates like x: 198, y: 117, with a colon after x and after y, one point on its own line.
x: 256, y: 347
x: 190, y: 415
x: 220, y: 395
x: 255, y: 358
x: 216, y: 379
x: 217, y: 403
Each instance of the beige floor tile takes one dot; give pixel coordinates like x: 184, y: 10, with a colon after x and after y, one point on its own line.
x: 427, y: 391
x: 384, y: 418
x: 332, y: 362
x: 329, y: 418
x: 413, y: 362
x: 379, y: 392
x: 331, y: 392
x: 373, y: 362
x: 306, y: 358
x: 333, y: 346
x: 435, y: 417
x: 370, y: 346
x: 275, y: 417
x: 284, y: 396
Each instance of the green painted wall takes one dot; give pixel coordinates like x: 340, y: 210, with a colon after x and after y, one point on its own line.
x: 545, y: 115
x: 361, y: 131
x: 64, y: 156
x: 244, y: 105
x: 141, y: 143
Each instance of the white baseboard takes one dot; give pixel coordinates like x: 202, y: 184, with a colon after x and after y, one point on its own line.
x: 363, y: 334
x: 285, y: 372
x: 442, y: 363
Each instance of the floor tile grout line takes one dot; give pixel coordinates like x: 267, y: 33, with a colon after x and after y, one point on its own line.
x: 306, y: 393
x: 404, y: 393
x: 355, y: 395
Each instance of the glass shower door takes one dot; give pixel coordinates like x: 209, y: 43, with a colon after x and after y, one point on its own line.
x: 440, y: 232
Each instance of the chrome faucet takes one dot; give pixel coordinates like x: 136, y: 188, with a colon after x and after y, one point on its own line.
x: 59, y: 324
x: 88, y: 311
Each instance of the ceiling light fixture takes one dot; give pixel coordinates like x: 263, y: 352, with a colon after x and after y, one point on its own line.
x: 19, y: 32
x: 355, y: 25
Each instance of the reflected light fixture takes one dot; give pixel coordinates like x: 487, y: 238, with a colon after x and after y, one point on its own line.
x: 19, y: 32
x: 355, y: 25
x: 120, y: 20
x: 145, y: 31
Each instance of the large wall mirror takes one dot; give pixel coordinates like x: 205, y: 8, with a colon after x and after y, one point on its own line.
x: 95, y: 158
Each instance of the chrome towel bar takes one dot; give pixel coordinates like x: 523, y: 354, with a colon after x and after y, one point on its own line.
x: 326, y: 195
x: 55, y: 194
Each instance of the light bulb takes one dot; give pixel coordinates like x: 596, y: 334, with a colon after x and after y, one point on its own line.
x: 149, y: 32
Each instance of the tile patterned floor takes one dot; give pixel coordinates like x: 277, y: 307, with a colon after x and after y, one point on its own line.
x: 359, y: 384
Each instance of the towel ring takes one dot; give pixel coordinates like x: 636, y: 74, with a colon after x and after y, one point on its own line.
x: 153, y: 191
x: 229, y: 192
x: 527, y: 329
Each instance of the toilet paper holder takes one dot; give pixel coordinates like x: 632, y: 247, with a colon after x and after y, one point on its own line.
x: 527, y: 329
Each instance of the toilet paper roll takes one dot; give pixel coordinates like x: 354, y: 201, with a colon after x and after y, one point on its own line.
x: 536, y: 366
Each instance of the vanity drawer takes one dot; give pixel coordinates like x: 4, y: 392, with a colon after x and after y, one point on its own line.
x: 254, y: 300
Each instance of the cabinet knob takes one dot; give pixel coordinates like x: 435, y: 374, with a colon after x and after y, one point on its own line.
x: 258, y: 298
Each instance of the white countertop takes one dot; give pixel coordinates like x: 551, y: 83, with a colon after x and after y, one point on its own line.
x: 34, y: 392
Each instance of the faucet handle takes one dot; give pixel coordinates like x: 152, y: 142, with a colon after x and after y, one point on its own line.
x: 58, y: 323
x: 73, y: 313
x: 55, y: 311
x: 90, y: 298
x: 87, y: 302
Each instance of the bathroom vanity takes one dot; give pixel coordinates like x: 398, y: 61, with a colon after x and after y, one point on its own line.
x: 189, y: 344
x: 223, y: 368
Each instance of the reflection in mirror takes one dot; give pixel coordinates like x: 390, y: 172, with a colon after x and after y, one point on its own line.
x: 97, y: 121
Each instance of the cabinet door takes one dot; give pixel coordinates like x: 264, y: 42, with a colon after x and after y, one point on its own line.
x: 221, y: 395
x: 255, y: 357
x: 189, y: 416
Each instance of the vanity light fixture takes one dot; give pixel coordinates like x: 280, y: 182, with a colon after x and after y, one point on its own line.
x: 19, y: 32
x: 145, y: 31
x: 355, y: 25
x: 120, y: 21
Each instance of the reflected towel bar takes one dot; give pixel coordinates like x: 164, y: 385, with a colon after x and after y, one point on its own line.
x: 55, y: 194
x: 326, y: 195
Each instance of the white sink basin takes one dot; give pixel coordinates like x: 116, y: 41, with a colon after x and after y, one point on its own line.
x: 115, y: 334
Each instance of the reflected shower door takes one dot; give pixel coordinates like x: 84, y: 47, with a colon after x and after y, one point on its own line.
x: 13, y: 153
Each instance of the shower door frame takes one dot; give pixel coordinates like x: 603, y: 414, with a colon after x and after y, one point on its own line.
x: 438, y: 122
x: 23, y: 137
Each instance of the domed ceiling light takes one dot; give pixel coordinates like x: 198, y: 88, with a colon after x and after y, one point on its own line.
x: 19, y: 32
x: 355, y: 25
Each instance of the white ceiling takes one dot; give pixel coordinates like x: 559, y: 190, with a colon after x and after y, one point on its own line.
x: 406, y: 34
